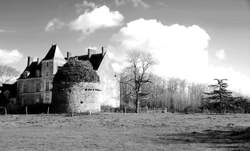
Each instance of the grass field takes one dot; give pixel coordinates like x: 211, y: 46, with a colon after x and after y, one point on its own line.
x: 116, y: 131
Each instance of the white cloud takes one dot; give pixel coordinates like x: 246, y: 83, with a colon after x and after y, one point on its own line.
x: 135, y: 3
x: 9, y: 56
x: 98, y: 18
x: 220, y: 54
x: 6, y: 31
x: 181, y: 52
x: 92, y: 48
x: 2, y: 30
x: 54, y: 24
x: 237, y: 81
x: 85, y: 6
x: 177, y: 48
x: 140, y: 3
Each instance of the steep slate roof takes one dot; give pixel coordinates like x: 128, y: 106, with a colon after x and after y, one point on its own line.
x: 53, y: 53
x: 94, y: 59
x: 32, y: 69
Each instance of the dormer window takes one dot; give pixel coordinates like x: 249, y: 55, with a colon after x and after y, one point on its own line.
x: 25, y: 74
x: 38, y: 73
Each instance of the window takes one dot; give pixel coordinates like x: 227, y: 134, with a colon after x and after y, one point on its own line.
x: 25, y: 87
x: 38, y: 85
x: 47, y: 85
x: 37, y: 73
x: 38, y: 100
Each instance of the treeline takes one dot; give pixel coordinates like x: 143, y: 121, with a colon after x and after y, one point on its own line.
x: 220, y: 100
x: 140, y: 91
x: 176, y: 95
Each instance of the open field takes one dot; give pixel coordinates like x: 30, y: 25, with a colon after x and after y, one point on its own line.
x: 116, y: 131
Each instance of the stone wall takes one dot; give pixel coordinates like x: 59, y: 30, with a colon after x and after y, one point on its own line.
x: 76, y: 97
x: 29, y: 91
x: 34, y: 91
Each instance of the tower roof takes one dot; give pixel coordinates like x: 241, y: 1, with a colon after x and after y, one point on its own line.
x: 54, y: 53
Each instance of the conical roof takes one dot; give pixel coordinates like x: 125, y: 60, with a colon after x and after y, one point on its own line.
x: 54, y: 53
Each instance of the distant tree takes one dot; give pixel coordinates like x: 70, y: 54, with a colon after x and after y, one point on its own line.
x: 139, y: 64
x: 7, y: 74
x: 158, y: 92
x: 195, y: 95
x: 172, y: 87
x: 219, y: 98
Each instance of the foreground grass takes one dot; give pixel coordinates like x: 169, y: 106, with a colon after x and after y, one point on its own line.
x: 115, y: 131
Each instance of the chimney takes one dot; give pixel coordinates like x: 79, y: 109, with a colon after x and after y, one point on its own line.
x: 89, y: 52
x: 37, y: 60
x: 102, y: 51
x: 28, y: 61
x: 68, y: 55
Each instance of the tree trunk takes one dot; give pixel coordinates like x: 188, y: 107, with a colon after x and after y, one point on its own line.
x: 5, y: 110
x: 26, y: 110
x: 137, y: 103
x: 48, y: 110
x: 125, y: 109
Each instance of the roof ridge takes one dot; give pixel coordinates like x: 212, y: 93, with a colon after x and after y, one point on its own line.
x: 54, y: 52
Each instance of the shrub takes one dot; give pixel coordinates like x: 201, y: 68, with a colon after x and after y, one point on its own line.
x: 76, y: 71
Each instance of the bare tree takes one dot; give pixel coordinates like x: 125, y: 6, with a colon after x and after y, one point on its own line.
x: 139, y: 65
x: 195, y: 95
x: 172, y: 87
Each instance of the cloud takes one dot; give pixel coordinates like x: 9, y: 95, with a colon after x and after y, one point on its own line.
x: 2, y: 30
x: 177, y: 48
x: 136, y: 3
x: 181, y: 51
x: 9, y: 56
x: 54, y: 24
x: 85, y: 6
x: 236, y: 80
x: 6, y: 31
x: 220, y: 54
x: 98, y: 18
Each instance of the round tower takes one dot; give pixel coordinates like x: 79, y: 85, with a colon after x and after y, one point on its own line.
x: 76, y: 88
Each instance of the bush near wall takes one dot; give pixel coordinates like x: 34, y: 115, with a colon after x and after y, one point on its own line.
x: 76, y: 71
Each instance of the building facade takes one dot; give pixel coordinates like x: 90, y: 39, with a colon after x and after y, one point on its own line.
x: 35, y: 84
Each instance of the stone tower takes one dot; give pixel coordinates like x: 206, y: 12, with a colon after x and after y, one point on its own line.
x: 34, y: 86
x: 49, y: 67
x: 76, y: 88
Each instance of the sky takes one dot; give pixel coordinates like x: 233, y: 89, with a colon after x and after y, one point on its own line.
x: 196, y: 40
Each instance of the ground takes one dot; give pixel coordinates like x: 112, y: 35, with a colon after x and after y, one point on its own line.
x: 117, y: 131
